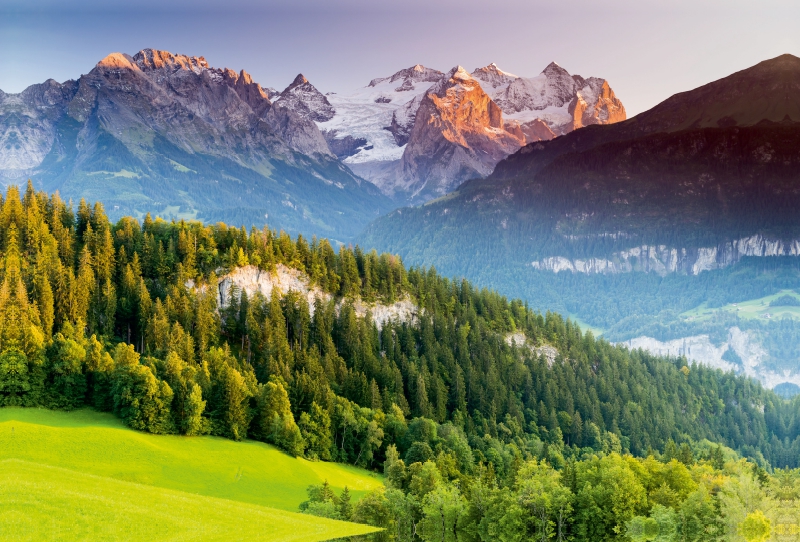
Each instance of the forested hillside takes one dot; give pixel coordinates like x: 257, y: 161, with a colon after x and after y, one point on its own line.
x: 124, y: 317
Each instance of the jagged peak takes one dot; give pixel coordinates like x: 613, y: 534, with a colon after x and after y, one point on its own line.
x: 553, y: 69
x: 153, y: 59
x: 415, y: 74
x: 116, y: 60
x: 456, y: 76
x: 245, y: 77
x: 459, y: 73
x: 493, y: 69
x: 300, y: 80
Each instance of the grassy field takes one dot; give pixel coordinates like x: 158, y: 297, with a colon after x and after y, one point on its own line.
x: 84, y: 476
x: 596, y: 331
x: 750, y: 309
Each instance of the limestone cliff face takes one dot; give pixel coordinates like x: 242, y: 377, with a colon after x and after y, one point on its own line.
x: 663, y: 260
x: 284, y: 279
x: 700, y: 349
x: 458, y: 134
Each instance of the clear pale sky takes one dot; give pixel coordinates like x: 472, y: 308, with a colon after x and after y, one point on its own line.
x: 648, y: 50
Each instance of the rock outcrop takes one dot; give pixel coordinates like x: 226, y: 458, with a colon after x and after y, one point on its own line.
x: 596, y: 103
x: 284, y: 279
x: 520, y: 340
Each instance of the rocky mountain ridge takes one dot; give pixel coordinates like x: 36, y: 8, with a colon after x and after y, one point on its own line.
x: 171, y: 135
x: 371, y: 128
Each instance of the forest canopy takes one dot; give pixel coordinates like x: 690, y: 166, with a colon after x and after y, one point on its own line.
x: 475, y: 388
x: 126, y: 317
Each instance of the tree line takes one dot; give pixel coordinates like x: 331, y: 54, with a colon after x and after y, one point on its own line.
x: 687, y: 493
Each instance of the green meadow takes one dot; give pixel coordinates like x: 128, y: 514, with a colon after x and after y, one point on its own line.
x: 82, y: 475
x: 750, y: 309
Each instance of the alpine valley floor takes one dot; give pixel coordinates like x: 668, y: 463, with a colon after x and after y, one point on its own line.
x: 83, y: 475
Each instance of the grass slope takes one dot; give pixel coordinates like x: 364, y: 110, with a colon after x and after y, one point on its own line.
x: 750, y: 309
x: 83, y: 468
x: 38, y: 502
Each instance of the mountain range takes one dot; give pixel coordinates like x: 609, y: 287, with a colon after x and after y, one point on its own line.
x: 171, y: 135
x: 537, y: 186
x: 419, y: 133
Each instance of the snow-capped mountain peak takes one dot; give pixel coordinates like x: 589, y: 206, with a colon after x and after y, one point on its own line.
x: 372, y: 125
x: 456, y: 76
x: 409, y: 77
x: 553, y: 66
x: 299, y: 80
x: 492, y: 77
x: 304, y: 99
x: 459, y: 73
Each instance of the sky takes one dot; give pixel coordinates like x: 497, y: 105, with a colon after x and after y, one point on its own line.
x: 646, y: 49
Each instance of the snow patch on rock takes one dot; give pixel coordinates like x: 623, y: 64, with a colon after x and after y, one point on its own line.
x: 378, y: 112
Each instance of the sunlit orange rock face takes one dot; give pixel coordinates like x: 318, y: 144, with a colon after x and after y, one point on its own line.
x: 458, y: 134
x: 596, y: 104
x: 467, y: 123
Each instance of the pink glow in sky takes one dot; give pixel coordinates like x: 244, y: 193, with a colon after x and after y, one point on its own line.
x: 648, y: 50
